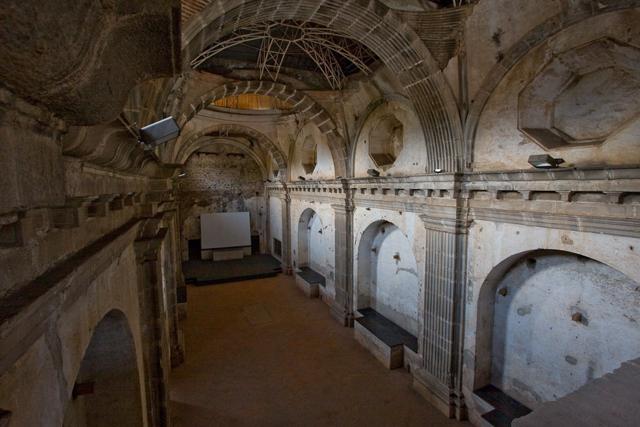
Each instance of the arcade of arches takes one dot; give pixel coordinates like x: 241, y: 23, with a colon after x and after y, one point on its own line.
x: 383, y: 150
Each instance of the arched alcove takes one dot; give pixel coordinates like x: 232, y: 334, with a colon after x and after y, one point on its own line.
x: 551, y: 321
x: 107, y: 387
x: 386, y: 139
x: 387, y: 276
x: 310, y: 155
x: 311, y: 248
x: 389, y: 140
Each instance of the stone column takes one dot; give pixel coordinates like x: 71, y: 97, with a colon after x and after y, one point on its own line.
x: 155, y: 352
x: 441, y: 340
x: 265, y: 234
x: 174, y: 282
x: 286, y: 232
x: 342, y: 306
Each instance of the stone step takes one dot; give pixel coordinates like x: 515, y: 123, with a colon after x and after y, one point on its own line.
x: 506, y: 408
x: 497, y: 419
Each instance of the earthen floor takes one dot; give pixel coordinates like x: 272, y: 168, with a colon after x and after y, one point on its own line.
x: 259, y: 353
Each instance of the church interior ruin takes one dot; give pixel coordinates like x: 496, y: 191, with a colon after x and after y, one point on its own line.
x: 319, y: 213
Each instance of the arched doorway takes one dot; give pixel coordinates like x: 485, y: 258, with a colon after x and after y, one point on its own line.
x: 387, y: 277
x: 311, y: 249
x: 551, y: 321
x: 107, y: 387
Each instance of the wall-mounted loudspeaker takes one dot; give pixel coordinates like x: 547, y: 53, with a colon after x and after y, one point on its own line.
x: 159, y: 132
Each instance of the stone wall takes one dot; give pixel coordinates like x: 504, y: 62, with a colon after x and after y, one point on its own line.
x: 220, y: 179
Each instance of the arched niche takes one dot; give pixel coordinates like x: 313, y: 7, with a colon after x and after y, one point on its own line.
x: 390, y: 140
x: 107, y: 386
x: 311, y: 248
x: 387, y: 276
x: 551, y: 321
x: 386, y: 140
x: 311, y: 155
x: 562, y: 106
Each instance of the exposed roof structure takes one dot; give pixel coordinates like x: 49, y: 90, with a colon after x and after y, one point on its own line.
x: 298, y: 45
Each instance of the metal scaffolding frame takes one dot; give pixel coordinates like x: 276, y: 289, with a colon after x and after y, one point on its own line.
x: 320, y: 44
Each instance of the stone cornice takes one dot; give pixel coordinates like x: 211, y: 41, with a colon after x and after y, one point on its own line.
x: 605, y: 200
x: 29, y: 309
x: 613, y: 226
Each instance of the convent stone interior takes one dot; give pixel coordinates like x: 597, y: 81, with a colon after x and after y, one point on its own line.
x: 319, y: 213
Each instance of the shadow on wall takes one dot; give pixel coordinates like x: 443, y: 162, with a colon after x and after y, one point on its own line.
x: 107, y: 388
x: 552, y: 321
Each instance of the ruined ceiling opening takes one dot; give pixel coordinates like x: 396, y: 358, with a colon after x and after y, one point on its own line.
x: 254, y: 102
x: 288, y: 47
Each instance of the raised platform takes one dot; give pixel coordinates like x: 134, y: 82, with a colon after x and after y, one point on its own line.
x: 612, y: 400
x: 383, y: 338
x: 201, y: 272
x: 309, y: 281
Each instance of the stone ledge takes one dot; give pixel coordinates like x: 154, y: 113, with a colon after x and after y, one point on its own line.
x: 390, y: 357
x: 310, y: 289
x: 26, y: 311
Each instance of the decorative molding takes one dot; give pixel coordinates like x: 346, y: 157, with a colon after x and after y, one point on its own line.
x: 612, y: 226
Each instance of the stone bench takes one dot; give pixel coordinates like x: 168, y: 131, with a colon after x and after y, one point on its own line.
x: 384, y: 339
x: 309, y: 281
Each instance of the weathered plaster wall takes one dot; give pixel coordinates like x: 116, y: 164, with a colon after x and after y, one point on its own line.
x: 496, y: 25
x: 539, y: 352
x: 500, y: 145
x: 28, y: 141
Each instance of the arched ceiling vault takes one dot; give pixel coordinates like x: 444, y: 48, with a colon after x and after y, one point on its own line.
x: 239, y: 143
x: 196, y: 141
x: 302, y: 104
x: 376, y: 27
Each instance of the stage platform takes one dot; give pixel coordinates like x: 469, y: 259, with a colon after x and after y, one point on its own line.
x: 203, y: 272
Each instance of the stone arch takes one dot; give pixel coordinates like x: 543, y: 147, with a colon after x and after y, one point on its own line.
x: 194, y: 142
x: 531, y: 40
x: 396, y: 299
x: 241, y: 145
x: 499, y: 289
x: 107, y: 386
x: 375, y: 26
x: 303, y: 104
x: 303, y: 255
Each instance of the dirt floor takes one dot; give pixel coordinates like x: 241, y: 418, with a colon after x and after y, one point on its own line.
x: 259, y: 353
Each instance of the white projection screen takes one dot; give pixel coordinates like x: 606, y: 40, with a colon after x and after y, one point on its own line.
x: 225, y: 230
